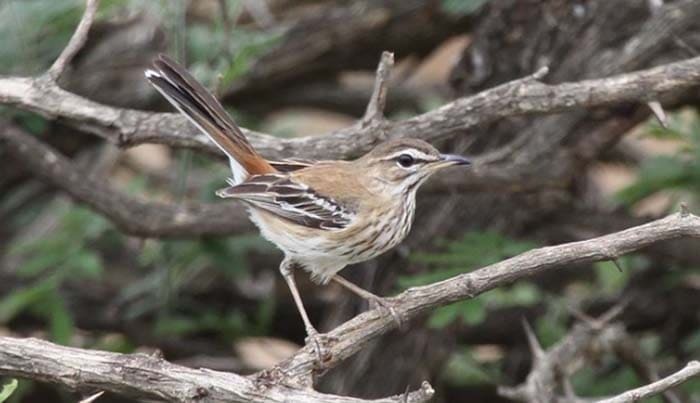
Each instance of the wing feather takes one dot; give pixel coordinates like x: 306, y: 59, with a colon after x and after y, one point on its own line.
x: 280, y: 195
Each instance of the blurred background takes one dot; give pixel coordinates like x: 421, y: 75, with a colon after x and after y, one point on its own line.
x: 306, y: 67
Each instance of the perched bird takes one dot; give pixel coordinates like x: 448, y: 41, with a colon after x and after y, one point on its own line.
x: 324, y: 215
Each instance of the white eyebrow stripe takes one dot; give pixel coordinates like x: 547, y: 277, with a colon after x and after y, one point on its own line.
x: 419, y: 155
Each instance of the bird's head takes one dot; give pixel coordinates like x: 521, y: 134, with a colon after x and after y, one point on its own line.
x: 404, y: 164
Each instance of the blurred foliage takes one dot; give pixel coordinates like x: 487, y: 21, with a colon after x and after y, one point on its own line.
x: 462, y: 369
x: 462, y: 7
x: 74, y: 251
x: 48, y: 263
x: 35, y: 33
x: 474, y: 250
x: 675, y: 172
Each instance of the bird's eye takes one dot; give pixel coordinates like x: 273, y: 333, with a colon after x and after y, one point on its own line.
x: 405, y: 160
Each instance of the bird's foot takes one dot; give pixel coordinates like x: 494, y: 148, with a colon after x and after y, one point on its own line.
x: 321, y: 343
x: 375, y: 300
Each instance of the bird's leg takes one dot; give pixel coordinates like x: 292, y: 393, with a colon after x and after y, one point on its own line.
x: 312, y: 335
x: 371, y: 298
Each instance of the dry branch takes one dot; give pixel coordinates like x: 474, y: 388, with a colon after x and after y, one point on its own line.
x: 691, y: 370
x: 548, y: 380
x: 132, y: 215
x: 129, y: 127
x: 126, y: 127
x: 76, y: 42
x: 353, y: 335
x: 148, y: 376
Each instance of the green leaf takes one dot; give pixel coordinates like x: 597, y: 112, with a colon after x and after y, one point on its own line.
x: 657, y: 174
x: 60, y: 320
x: 38, y: 263
x: 88, y: 262
x: 8, y: 389
x: 610, y: 279
x: 21, y: 299
x: 473, y: 312
x: 462, y: 7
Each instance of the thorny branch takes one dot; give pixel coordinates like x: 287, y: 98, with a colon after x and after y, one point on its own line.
x: 588, y: 340
x: 354, y: 334
x: 129, y: 127
x: 151, y: 377
x: 147, y: 376
x: 126, y: 127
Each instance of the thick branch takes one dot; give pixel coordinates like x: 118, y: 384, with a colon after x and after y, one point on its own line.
x: 150, y: 377
x: 129, y: 127
x: 353, y: 335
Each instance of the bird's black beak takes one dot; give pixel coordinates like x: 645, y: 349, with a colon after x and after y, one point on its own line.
x: 453, y: 159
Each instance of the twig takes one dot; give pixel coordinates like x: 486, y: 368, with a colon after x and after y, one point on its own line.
x: 377, y: 102
x: 692, y: 369
x: 76, y: 42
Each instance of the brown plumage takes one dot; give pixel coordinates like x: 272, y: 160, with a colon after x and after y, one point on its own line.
x: 324, y: 215
x: 195, y: 102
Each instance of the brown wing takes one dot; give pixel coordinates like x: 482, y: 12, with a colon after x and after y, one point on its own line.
x: 292, y: 164
x: 281, y: 195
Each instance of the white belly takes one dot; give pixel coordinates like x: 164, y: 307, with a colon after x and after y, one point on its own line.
x: 324, y: 257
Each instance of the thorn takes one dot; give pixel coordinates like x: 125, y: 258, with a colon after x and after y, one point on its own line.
x: 583, y: 317
x: 614, y: 312
x: 617, y: 264
x: 535, y: 347
x: 92, y: 398
x: 685, y: 212
x: 659, y: 113
x: 541, y: 73
x: 405, y: 394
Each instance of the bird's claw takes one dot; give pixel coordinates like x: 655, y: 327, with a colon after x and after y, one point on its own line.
x: 320, y: 342
x: 384, y: 304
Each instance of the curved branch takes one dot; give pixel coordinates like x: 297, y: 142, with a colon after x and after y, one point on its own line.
x: 132, y: 215
x: 354, y: 334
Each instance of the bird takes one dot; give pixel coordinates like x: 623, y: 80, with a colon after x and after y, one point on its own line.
x: 324, y: 215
